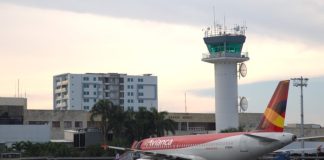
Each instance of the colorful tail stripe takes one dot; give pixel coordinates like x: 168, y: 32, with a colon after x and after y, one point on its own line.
x: 274, y: 116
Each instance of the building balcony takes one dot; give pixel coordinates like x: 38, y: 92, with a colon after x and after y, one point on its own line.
x: 65, y: 82
x: 62, y: 104
x: 58, y: 98
x: 65, y: 96
x: 61, y: 90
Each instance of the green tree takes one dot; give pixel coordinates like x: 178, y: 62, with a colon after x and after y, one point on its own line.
x: 229, y: 130
x: 111, y: 117
x: 142, y: 128
x: 162, y: 124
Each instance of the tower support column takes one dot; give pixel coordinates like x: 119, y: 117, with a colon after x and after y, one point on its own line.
x: 226, y: 111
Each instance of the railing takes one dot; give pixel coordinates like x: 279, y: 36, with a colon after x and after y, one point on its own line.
x: 225, y: 54
x: 65, y: 82
x: 65, y: 96
x: 219, y: 30
x: 62, y: 104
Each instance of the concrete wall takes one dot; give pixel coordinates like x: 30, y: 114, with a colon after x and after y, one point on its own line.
x: 63, y: 118
x: 188, y: 123
x: 13, y: 101
x: 15, y: 133
x: 308, y: 132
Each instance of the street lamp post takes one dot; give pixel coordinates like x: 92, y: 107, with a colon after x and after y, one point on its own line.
x: 301, y: 82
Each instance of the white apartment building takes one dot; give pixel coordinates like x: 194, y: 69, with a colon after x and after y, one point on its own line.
x: 82, y: 91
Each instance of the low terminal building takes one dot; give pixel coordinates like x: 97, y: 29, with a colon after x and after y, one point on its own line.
x: 53, y: 123
x: 198, y: 123
x: 12, y: 128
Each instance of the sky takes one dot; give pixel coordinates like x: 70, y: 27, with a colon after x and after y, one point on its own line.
x: 40, y: 39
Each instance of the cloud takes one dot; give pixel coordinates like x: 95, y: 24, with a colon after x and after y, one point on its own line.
x: 297, y: 20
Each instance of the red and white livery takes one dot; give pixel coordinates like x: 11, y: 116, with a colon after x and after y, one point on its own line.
x: 267, y: 137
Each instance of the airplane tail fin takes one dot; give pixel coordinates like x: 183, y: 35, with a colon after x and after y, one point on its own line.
x: 274, y: 116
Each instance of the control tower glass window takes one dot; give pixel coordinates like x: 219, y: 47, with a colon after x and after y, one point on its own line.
x: 230, y: 48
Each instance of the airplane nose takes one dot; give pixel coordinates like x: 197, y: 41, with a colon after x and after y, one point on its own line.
x: 294, y: 137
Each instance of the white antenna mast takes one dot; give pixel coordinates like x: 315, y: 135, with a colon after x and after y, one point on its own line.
x: 214, y: 18
x: 224, y: 24
x: 185, y: 102
x: 18, y: 88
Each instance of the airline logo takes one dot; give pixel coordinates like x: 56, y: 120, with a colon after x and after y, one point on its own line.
x: 274, y: 116
x: 159, y: 142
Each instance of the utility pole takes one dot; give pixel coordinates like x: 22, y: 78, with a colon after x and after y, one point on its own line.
x: 301, y: 82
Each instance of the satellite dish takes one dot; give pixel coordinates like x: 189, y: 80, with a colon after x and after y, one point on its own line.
x: 243, y: 104
x: 243, y: 70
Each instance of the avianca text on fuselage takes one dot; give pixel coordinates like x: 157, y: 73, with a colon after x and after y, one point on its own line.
x: 154, y: 143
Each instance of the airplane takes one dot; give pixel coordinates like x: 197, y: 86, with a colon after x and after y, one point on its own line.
x: 267, y: 137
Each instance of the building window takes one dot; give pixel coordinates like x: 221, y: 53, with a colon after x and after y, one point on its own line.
x: 94, y: 78
x: 140, y: 101
x: 94, y: 93
x: 95, y: 100
x: 140, y: 80
x: 85, y: 85
x: 129, y: 79
x: 86, y: 100
x: 67, y: 124
x: 56, y: 124
x: 38, y: 122
x: 140, y: 86
x: 86, y: 107
x: 78, y: 124
x: 94, y: 86
x: 86, y: 78
x: 86, y: 93
x: 140, y: 94
x: 121, y: 80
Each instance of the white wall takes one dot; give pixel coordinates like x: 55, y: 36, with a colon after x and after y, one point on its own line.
x: 33, y: 133
x: 75, y: 92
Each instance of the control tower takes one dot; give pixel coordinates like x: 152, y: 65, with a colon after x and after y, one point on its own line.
x: 225, y: 52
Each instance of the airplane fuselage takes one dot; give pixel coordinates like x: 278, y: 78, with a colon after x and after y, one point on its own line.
x: 227, y: 146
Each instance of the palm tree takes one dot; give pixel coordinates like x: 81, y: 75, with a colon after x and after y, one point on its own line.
x: 111, y: 117
x: 162, y: 124
x: 143, y: 122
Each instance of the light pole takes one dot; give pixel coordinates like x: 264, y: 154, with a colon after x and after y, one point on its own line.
x: 301, y: 82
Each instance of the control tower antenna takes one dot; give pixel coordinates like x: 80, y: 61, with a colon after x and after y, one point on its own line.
x: 224, y: 24
x: 214, y: 17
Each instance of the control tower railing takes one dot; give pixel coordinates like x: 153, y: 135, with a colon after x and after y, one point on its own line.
x: 225, y: 54
x: 219, y: 30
